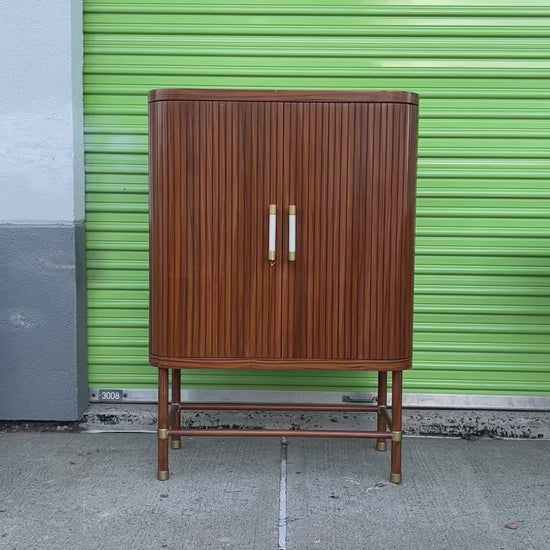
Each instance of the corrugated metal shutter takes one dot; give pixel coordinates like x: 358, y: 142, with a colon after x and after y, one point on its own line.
x: 482, y: 69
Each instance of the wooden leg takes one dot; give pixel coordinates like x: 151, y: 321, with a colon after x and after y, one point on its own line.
x: 397, y: 399
x: 382, y: 402
x: 162, y: 471
x: 175, y: 442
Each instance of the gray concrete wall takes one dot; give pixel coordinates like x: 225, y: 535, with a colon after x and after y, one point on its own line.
x: 43, y: 372
x: 41, y: 338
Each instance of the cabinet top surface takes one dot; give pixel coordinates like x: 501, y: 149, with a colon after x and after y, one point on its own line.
x: 283, y: 95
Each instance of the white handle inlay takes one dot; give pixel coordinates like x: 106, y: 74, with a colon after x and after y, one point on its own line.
x: 272, y: 254
x: 292, y: 233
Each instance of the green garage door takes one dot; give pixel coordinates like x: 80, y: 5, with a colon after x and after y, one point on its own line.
x: 482, y: 306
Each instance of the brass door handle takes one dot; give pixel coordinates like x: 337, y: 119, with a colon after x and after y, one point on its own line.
x: 272, y: 252
x: 292, y: 233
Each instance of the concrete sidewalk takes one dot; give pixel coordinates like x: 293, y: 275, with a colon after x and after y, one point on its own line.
x: 98, y: 491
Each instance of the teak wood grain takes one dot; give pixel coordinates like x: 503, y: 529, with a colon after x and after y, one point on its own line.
x: 348, y: 294
x: 214, y: 172
x: 348, y: 163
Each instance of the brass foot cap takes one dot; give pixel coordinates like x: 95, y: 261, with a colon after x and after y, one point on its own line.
x: 163, y: 475
x: 175, y: 443
x: 395, y: 478
x: 381, y: 446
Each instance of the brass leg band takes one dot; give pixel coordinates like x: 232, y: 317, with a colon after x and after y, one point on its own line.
x: 163, y: 433
x: 175, y: 443
x: 396, y: 436
x: 163, y: 475
x: 395, y: 478
x: 381, y: 446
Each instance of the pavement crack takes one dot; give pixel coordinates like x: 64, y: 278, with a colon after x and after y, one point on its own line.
x: 283, y: 519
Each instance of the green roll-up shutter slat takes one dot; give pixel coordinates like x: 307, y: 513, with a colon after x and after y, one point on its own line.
x: 482, y: 296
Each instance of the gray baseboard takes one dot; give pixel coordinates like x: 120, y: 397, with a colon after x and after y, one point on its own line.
x: 426, y: 422
x: 43, y: 359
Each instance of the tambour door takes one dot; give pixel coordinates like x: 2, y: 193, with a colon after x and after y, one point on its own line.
x: 214, y: 169
x: 350, y: 174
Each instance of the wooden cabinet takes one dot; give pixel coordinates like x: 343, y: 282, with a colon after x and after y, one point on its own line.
x: 334, y: 289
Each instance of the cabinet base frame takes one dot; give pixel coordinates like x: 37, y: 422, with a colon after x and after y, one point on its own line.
x: 388, y: 427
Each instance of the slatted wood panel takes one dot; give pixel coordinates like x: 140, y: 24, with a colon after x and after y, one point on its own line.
x: 350, y: 171
x: 215, y: 167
